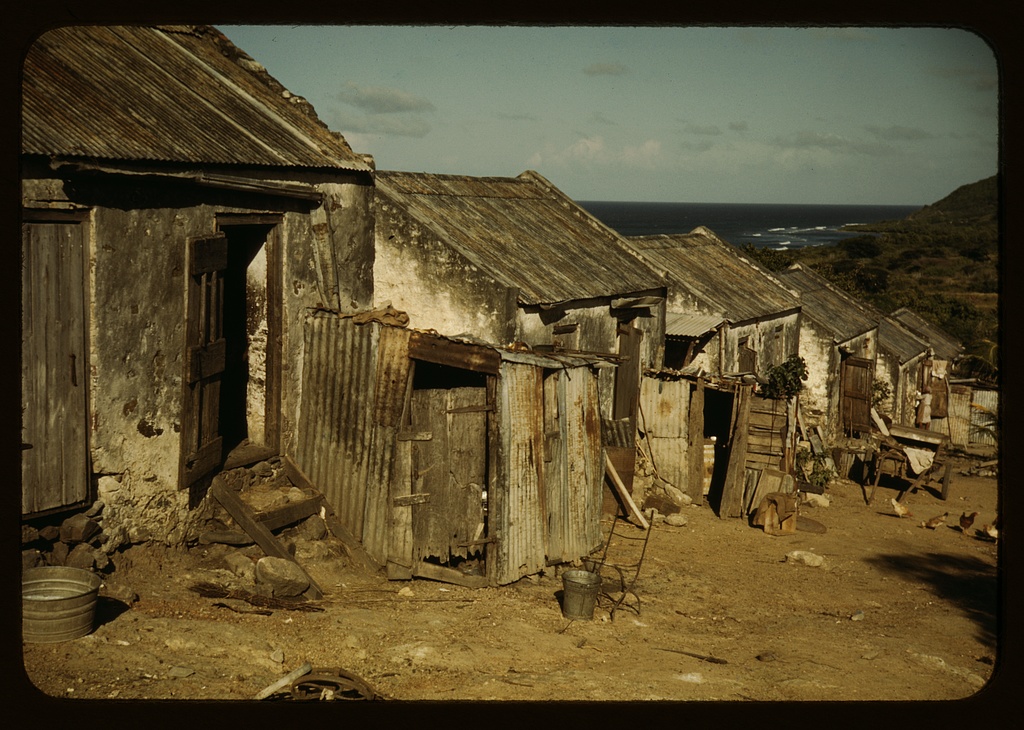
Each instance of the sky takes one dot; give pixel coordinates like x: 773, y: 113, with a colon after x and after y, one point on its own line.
x: 851, y: 115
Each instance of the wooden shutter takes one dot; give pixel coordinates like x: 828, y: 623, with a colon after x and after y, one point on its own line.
x: 205, y: 351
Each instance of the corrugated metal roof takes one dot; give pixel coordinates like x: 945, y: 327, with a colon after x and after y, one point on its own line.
x: 715, y: 272
x: 830, y: 307
x: 897, y: 339
x: 688, y: 324
x: 180, y: 94
x: 945, y: 347
x: 524, y: 232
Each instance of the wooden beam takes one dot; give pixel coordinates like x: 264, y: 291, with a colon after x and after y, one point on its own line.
x: 259, y: 532
x: 448, y: 575
x: 623, y: 492
x: 289, y: 514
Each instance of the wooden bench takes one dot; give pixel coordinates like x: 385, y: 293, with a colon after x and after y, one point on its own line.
x: 892, y: 460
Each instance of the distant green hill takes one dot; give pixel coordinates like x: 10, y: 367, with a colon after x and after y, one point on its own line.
x: 942, y: 261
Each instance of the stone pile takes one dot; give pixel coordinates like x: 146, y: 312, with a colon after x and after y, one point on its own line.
x: 77, y: 542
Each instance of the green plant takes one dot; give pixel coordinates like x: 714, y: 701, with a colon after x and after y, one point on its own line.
x: 881, y: 391
x: 785, y: 380
x: 815, y: 468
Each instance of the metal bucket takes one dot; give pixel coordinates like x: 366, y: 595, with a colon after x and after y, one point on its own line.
x: 57, y: 603
x: 580, y: 594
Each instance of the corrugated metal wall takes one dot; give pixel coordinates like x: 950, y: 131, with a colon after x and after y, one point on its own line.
x: 335, y: 444
x: 574, y: 487
x: 984, y: 416
x: 519, y: 511
x: 665, y: 412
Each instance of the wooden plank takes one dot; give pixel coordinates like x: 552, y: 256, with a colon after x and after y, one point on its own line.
x: 209, y: 254
x: 695, y: 445
x: 410, y: 499
x: 620, y: 488
x: 448, y: 575
x: 423, y: 346
x: 732, y: 491
x: 414, y: 435
x: 239, y: 511
x: 206, y: 361
x: 289, y: 514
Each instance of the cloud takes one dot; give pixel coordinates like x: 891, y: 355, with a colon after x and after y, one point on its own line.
x: 972, y: 78
x: 605, y: 69
x: 516, y: 117
x: 601, y: 118
x: 591, y: 150
x: 703, y: 129
x: 896, y: 133
x: 382, y: 100
x: 647, y: 154
x: 401, y: 125
x: 834, y: 143
x: 738, y: 126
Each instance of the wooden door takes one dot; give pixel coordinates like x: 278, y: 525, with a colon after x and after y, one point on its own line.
x: 856, y: 378
x: 449, y: 470
x: 54, y: 366
x: 205, y: 357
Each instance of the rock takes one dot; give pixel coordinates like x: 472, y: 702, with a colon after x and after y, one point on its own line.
x: 31, y: 559
x: 241, y: 566
x: 312, y: 528
x: 28, y: 534
x: 119, y: 592
x: 82, y: 556
x: 815, y: 500
x: 263, y: 469
x: 278, y: 656
x: 676, y: 520
x: 225, y: 537
x: 804, y: 557
x: 58, y: 554
x: 78, y: 528
x: 96, y: 509
x: 180, y: 672
x: 107, y: 485
x: 677, y: 495
x: 661, y: 503
x: 50, y: 533
x: 294, y: 494
x: 280, y: 577
x: 857, y: 616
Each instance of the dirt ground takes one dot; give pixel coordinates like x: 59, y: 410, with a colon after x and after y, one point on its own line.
x: 896, y: 612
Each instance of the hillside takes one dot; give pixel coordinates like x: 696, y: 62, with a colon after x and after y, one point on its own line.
x: 942, y: 261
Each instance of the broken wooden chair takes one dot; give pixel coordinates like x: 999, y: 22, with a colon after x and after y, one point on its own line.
x: 622, y: 556
x: 893, y: 460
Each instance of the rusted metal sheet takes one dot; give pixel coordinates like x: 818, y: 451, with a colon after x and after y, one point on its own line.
x: 336, y: 440
x: 524, y: 232
x: 664, y: 416
x: 423, y: 346
x: 518, y: 501
x: 575, y: 477
x: 943, y: 345
x: 166, y: 93
x: 717, y: 274
x: 832, y: 309
x: 984, y: 416
x: 959, y: 415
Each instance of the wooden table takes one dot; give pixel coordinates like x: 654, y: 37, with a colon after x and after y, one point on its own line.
x: 892, y: 460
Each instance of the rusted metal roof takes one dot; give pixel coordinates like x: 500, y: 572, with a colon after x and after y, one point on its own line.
x: 831, y: 308
x: 524, y: 232
x: 180, y: 94
x: 900, y: 341
x: 944, y: 346
x: 687, y: 324
x: 716, y: 273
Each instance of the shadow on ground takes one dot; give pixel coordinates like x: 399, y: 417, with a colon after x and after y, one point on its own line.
x: 967, y: 582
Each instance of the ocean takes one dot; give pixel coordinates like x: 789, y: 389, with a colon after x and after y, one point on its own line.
x: 761, y: 224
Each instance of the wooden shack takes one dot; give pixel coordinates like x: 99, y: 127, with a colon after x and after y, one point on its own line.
x: 449, y: 458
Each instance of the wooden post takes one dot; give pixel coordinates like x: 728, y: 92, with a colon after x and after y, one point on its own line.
x: 695, y: 444
x: 732, y: 490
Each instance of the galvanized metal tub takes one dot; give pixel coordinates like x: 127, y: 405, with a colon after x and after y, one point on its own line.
x: 57, y: 603
x: 580, y: 594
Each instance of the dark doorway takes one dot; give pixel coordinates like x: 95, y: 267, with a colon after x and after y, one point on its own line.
x: 718, y: 406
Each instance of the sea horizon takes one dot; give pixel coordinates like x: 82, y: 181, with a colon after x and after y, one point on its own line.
x: 769, y: 225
